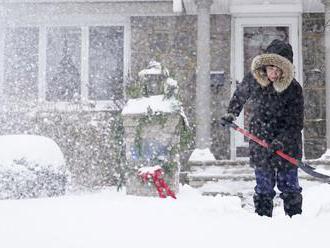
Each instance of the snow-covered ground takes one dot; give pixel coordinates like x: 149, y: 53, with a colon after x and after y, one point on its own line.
x: 113, y: 219
x: 108, y: 218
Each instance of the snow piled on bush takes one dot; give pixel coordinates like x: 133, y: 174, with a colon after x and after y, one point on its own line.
x: 31, y: 166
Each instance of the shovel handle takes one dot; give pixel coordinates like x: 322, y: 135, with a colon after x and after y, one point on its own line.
x: 263, y: 143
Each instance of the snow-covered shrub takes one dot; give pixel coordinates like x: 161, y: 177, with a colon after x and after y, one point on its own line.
x: 92, y: 145
x: 31, y: 166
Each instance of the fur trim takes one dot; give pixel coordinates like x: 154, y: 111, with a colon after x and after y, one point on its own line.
x: 277, y: 60
x: 232, y: 115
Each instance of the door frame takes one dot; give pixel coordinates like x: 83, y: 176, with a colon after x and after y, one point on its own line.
x: 293, y: 22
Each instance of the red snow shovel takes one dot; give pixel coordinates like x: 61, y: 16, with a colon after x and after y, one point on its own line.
x: 305, y: 167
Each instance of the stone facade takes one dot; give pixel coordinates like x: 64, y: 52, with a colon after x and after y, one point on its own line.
x: 220, y: 61
x: 157, y: 137
x: 172, y: 41
x: 314, y: 85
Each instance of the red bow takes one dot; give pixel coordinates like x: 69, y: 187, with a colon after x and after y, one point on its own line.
x: 156, y: 173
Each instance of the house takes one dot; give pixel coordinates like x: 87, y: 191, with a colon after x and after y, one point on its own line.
x: 64, y: 65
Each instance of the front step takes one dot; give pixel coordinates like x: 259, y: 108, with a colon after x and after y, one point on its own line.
x: 212, y: 177
x: 201, y: 172
x: 200, y: 175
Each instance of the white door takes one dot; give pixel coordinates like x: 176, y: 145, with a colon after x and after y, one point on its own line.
x: 251, y: 35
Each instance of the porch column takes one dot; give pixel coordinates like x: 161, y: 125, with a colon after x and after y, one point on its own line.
x: 203, y: 112
x: 327, y: 72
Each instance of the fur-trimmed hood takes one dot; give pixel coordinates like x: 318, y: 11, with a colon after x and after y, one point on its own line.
x: 257, y: 69
x: 279, y: 54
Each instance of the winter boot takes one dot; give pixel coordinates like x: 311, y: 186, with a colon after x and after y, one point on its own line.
x: 263, y: 204
x: 292, y: 203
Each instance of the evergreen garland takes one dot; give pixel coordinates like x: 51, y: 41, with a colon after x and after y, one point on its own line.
x: 185, y: 138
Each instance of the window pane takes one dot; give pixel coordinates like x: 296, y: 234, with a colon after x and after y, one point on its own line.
x: 256, y: 40
x: 106, y: 53
x: 21, y: 63
x: 63, y: 64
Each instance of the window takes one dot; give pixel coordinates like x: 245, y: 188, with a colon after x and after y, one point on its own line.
x: 63, y: 81
x: 106, y: 52
x: 21, y: 64
x: 76, y: 63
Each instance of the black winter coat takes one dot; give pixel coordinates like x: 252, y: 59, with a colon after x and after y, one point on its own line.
x: 274, y: 115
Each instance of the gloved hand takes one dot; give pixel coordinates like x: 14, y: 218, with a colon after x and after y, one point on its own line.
x: 227, y: 119
x: 275, y: 146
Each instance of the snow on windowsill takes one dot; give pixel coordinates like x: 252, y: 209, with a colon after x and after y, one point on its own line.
x: 91, y: 106
x: 155, y: 103
x: 81, y: 106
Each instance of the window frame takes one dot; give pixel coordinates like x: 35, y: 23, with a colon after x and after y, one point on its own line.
x: 84, y: 23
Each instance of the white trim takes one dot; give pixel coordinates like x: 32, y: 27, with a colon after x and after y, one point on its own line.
x: 68, y: 20
x: 265, y: 9
x: 2, y: 56
x: 300, y: 70
x: 313, y: 6
x: 2, y: 49
x: 233, y: 84
x: 237, y: 65
x: 49, y: 12
x: 240, y: 23
x: 81, y: 106
x: 253, y: 7
x: 42, y: 64
x: 299, y: 53
x: 78, y: 1
x: 218, y: 6
x: 84, y: 63
x: 127, y: 53
x: 177, y: 6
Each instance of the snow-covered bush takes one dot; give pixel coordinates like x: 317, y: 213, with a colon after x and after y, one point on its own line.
x: 31, y: 166
x: 92, y: 145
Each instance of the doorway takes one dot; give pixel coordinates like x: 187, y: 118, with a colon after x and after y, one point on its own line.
x: 251, y: 36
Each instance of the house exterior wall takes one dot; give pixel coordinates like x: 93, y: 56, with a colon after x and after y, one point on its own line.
x: 170, y: 40
x: 93, y: 146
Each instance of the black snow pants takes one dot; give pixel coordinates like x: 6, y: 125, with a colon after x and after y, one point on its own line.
x: 286, y: 179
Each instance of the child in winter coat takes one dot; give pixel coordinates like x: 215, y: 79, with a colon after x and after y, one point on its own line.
x: 277, y: 109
